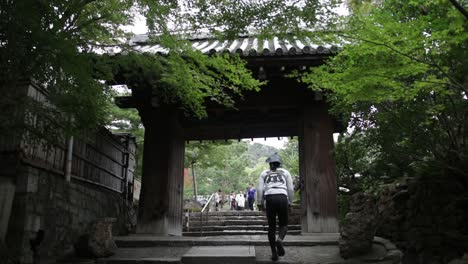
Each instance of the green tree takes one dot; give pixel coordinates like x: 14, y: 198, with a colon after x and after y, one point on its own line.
x: 290, y: 156
x: 128, y: 121
x: 55, y: 43
x: 360, y: 164
x: 225, y: 165
x: 50, y: 42
x: 402, y: 80
x: 259, y: 151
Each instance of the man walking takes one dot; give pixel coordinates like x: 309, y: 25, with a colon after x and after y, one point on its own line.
x: 251, y: 196
x: 275, y: 188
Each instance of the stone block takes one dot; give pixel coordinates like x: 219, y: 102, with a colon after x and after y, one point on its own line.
x: 33, y: 222
x: 358, y: 228
x: 220, y: 255
x: 33, y: 183
x: 98, y: 242
x: 394, y: 255
x: 22, y: 182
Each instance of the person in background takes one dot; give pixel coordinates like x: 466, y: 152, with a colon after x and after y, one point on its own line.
x: 251, y: 196
x: 222, y: 199
x: 232, y: 198
x: 240, y: 199
x: 217, y: 199
x: 275, y: 187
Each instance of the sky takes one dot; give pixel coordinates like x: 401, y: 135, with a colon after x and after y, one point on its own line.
x: 270, y: 141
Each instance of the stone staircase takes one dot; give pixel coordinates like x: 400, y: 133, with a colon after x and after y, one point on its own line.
x: 234, y: 223
x: 239, y: 237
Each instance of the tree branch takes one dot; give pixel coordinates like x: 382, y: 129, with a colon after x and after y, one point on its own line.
x: 399, y: 79
x: 455, y: 83
x: 459, y: 8
x: 89, y: 22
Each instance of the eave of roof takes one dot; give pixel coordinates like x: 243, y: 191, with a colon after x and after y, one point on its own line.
x: 244, y: 46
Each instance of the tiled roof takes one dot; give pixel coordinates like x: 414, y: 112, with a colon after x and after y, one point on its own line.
x: 244, y: 46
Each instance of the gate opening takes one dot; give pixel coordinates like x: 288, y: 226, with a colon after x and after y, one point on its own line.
x: 233, y: 166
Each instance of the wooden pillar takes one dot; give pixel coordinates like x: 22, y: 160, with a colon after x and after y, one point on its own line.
x: 317, y: 168
x: 161, y: 197
x: 176, y: 183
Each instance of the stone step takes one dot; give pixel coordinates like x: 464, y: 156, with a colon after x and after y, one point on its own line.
x: 224, y: 218
x: 234, y: 233
x: 229, y: 216
x: 230, y: 213
x: 239, y: 213
x: 147, y: 255
x: 220, y: 255
x: 235, y: 227
x: 236, y: 222
x: 227, y: 222
x: 138, y: 260
x: 146, y: 241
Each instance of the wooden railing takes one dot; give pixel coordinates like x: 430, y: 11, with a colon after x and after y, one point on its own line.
x: 206, y: 209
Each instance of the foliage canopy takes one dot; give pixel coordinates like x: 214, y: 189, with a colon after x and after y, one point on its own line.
x: 401, y: 79
x: 401, y: 76
x: 55, y: 43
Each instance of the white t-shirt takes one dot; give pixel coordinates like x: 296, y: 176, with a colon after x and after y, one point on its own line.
x: 275, y: 182
x: 217, y: 197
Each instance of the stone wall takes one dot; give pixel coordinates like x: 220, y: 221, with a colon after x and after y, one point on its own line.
x: 50, y: 192
x: 426, y: 217
x: 64, y: 210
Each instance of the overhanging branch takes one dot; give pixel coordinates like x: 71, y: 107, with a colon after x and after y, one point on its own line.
x: 459, y: 8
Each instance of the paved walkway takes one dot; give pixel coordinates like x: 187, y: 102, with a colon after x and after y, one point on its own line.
x: 311, y: 249
x: 294, y: 254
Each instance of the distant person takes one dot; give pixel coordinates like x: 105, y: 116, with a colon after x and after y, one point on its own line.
x: 275, y: 187
x: 240, y: 199
x: 222, y: 200
x: 217, y: 199
x: 251, y: 196
x: 233, y: 201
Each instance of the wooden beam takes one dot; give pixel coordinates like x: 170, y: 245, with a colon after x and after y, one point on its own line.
x: 240, y: 131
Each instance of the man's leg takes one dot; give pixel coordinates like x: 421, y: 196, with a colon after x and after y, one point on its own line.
x: 283, y: 224
x: 271, y: 216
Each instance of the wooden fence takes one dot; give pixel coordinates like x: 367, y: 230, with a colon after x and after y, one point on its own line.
x: 100, y: 158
